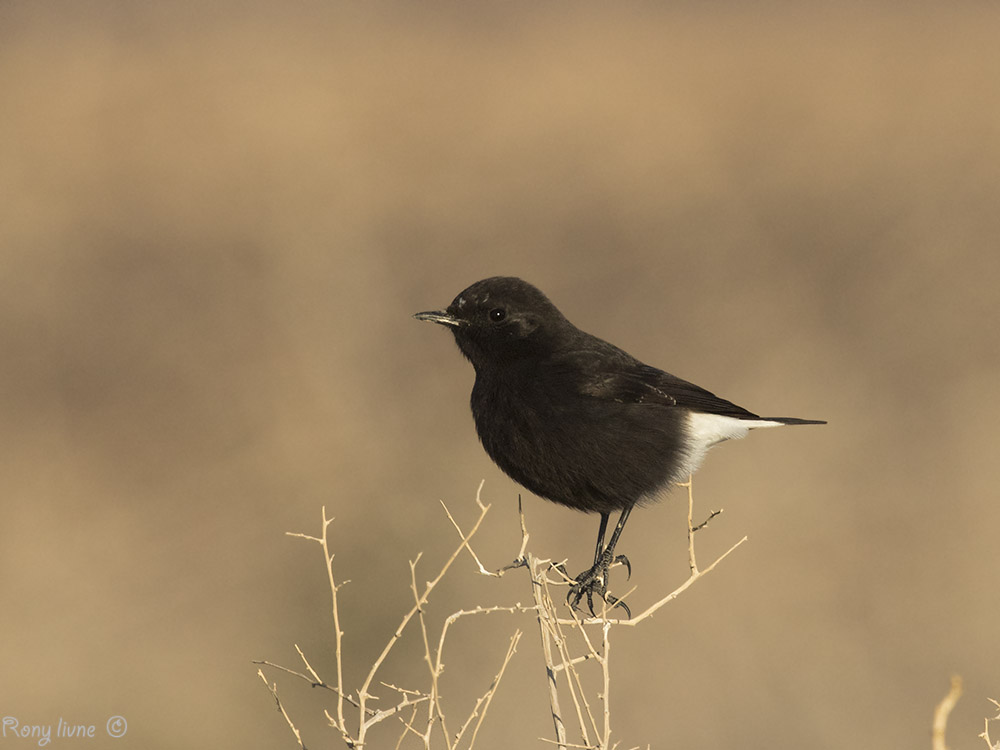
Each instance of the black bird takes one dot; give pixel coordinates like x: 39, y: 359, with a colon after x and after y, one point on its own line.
x: 577, y: 420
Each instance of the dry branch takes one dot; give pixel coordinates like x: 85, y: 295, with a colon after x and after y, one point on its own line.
x: 568, y: 646
x: 942, y: 712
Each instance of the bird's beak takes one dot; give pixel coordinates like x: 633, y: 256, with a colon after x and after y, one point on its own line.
x: 440, y: 316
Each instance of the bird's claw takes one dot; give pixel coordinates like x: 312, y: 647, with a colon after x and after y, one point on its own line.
x: 595, y: 581
x: 622, y: 560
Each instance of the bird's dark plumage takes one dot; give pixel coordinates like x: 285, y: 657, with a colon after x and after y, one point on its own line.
x: 573, y: 418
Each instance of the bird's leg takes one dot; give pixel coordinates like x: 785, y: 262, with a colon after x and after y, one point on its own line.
x: 610, y: 550
x: 595, y: 580
x: 605, y: 517
x: 597, y: 553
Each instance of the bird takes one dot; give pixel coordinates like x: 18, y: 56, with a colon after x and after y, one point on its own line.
x: 577, y: 420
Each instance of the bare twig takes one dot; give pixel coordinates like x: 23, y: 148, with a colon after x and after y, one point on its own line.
x: 338, y: 634
x: 401, y: 691
x: 434, y: 710
x: 274, y: 692
x: 576, y: 679
x: 519, y: 561
x: 385, y: 713
x: 650, y: 611
x: 564, y: 649
x: 483, y: 508
x: 407, y: 728
x: 312, y: 682
x: 363, y: 694
x: 606, y: 673
x: 556, y: 649
x: 689, y: 484
x: 656, y: 606
x: 487, y: 698
x: 574, y: 661
x: 986, y: 731
x: 368, y: 717
x: 941, y: 714
x: 543, y: 603
x: 703, y: 524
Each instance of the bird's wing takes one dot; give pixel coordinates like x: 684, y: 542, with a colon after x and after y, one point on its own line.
x: 617, y: 376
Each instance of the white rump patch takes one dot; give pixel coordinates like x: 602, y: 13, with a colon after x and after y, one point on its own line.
x: 705, y: 430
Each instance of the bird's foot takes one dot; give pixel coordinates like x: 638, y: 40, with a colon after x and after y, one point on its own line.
x: 595, y: 581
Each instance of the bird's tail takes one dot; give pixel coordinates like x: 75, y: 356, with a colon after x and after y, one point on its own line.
x: 794, y: 420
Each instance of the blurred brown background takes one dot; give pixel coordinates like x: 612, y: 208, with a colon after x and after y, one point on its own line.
x: 216, y: 221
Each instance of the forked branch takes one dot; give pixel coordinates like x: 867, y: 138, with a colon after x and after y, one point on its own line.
x: 568, y: 645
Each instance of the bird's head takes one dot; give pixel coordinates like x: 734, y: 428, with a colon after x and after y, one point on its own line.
x: 500, y: 319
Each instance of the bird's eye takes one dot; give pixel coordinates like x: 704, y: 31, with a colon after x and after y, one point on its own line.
x: 497, y: 314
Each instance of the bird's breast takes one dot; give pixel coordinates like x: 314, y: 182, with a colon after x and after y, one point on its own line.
x: 588, y: 453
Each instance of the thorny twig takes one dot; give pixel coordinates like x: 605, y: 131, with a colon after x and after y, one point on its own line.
x: 273, y: 688
x: 986, y: 731
x: 563, y: 660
